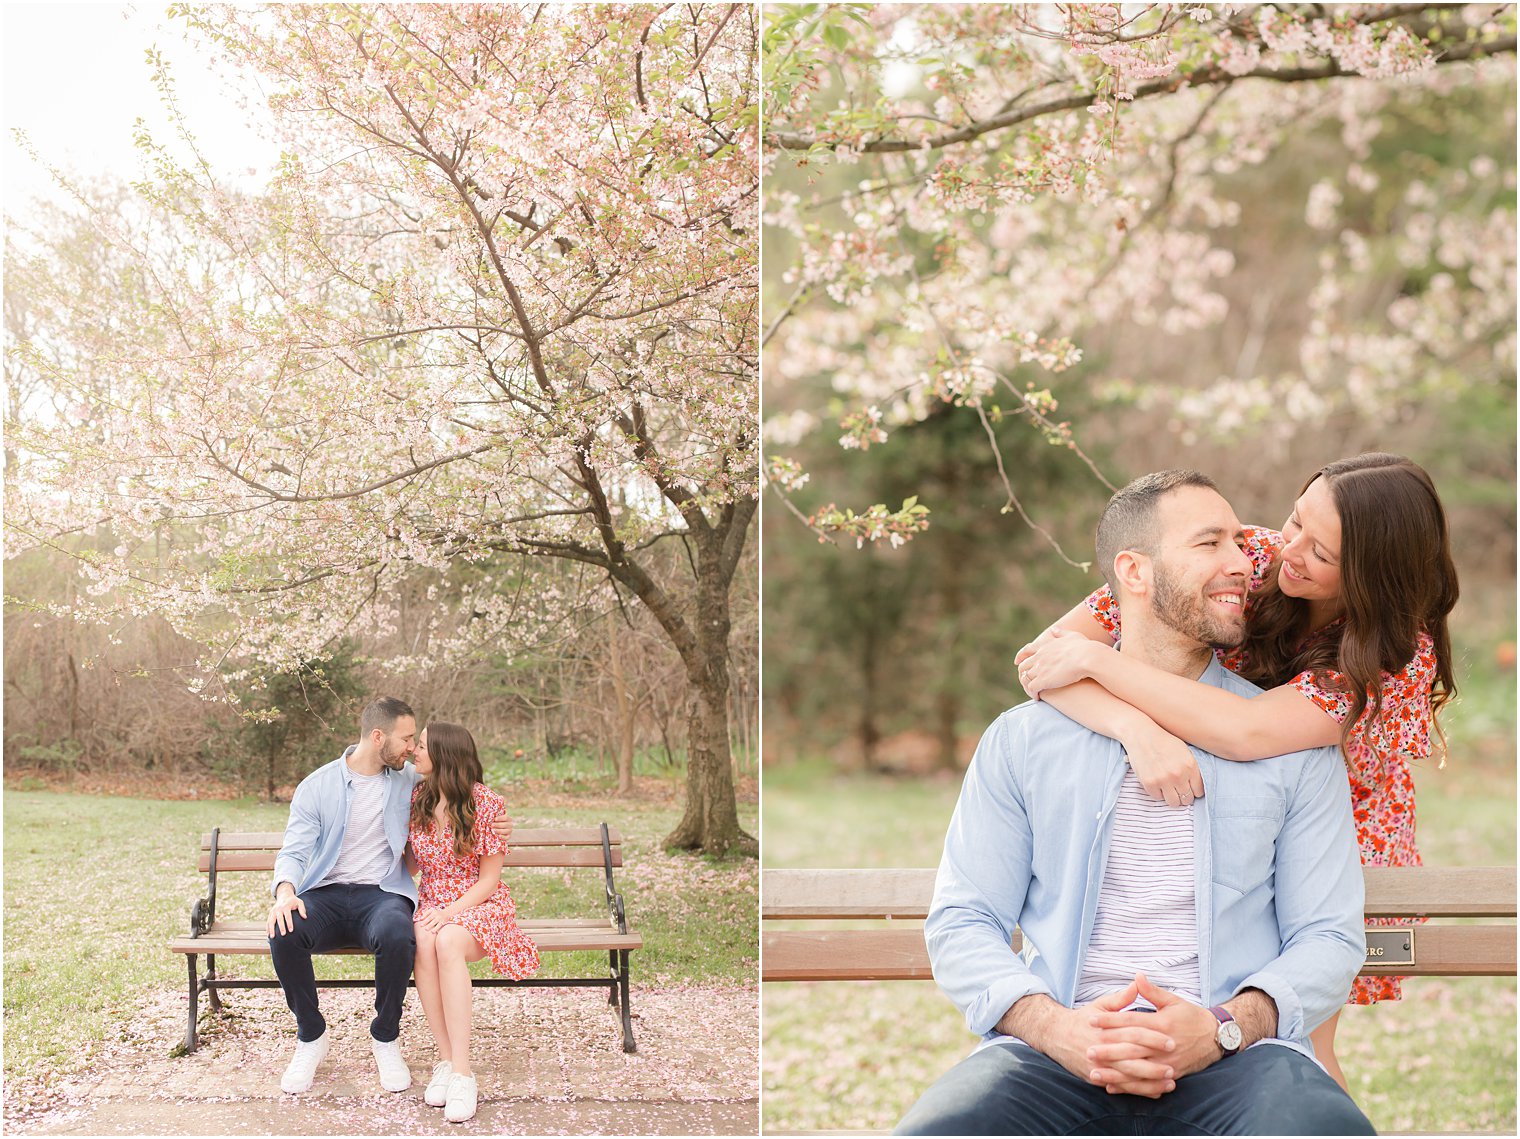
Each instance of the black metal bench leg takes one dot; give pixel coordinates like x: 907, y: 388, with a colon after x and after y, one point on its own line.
x: 612, y: 970
x: 194, y: 992
x: 628, y: 1044
x: 216, y: 997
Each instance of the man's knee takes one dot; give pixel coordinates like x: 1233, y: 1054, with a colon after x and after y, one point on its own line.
x: 1316, y: 1110
x: 941, y: 1117
x: 1289, y: 1094
x: 1001, y: 1089
x: 391, y: 929
x: 292, y: 945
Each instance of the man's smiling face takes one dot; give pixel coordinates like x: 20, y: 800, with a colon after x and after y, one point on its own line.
x: 1201, y: 569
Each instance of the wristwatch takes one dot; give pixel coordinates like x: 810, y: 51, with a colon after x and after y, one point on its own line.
x: 1228, y: 1037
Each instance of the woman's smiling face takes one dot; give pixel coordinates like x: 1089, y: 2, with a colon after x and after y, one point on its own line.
x: 420, y: 758
x: 1311, y: 559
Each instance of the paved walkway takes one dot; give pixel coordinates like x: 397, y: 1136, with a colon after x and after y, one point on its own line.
x: 549, y: 1062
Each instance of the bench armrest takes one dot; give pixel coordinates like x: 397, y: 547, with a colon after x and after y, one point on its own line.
x: 203, y: 913
x: 614, y: 899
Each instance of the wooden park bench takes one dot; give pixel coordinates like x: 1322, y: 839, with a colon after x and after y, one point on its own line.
x: 600, y: 847
x: 867, y: 925
x: 892, y: 949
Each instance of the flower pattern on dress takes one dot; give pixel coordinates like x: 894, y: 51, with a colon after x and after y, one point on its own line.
x: 445, y: 877
x: 1382, y: 782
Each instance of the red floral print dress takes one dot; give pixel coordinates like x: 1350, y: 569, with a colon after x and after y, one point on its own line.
x: 1382, y: 781
x: 444, y: 878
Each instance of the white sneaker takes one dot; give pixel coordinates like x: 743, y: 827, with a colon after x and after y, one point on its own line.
x: 303, y: 1065
x: 437, y: 1093
x: 461, y: 1101
x: 395, y: 1076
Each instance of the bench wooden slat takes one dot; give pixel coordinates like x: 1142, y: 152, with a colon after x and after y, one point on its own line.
x: 249, y: 937
x: 525, y: 836
x: 547, y: 937
x: 900, y: 954
x: 840, y: 894
x: 250, y: 927
x: 1485, y: 891
x: 1440, y: 891
x: 567, y: 856
x: 845, y: 955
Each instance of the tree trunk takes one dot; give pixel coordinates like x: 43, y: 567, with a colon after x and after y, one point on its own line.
x: 947, y: 702
x: 622, y: 726
x: 661, y: 712
x: 711, y: 821
x: 867, y: 730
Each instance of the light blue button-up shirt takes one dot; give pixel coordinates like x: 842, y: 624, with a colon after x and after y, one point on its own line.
x: 1276, y: 868
x: 319, y: 816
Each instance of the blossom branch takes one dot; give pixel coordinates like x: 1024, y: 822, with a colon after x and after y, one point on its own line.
x: 1210, y: 75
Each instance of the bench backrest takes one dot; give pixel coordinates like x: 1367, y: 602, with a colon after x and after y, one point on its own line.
x: 528, y: 846
x: 1392, y: 891
x: 903, y: 896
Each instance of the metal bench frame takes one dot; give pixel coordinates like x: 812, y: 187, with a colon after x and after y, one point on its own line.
x: 203, y: 925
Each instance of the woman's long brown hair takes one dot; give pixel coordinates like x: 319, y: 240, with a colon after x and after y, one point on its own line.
x: 1397, y: 581
x: 456, y: 770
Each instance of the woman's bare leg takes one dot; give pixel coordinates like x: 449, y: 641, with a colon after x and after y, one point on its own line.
x: 1323, y: 1039
x: 429, y: 992
x: 456, y: 949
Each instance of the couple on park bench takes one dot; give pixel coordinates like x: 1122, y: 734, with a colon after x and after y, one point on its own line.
x: 1186, y: 954
x: 392, y: 805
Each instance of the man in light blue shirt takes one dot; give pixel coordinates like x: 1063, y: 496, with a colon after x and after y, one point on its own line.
x: 1269, y: 891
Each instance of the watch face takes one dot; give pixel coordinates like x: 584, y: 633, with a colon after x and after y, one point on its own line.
x: 1229, y: 1036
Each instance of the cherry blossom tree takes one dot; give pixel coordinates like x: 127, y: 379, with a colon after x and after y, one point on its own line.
x: 971, y: 196
x: 498, y: 304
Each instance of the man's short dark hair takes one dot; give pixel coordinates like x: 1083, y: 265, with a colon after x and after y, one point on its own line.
x: 383, y: 713
x: 1129, y: 519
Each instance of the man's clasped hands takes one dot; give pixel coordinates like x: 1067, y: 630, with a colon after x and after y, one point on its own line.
x: 1131, y: 1052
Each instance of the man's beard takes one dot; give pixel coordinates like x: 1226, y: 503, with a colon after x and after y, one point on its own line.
x: 395, y: 760
x: 1190, y: 615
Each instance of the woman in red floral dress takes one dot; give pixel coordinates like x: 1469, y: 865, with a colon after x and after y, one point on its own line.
x: 465, y: 911
x: 1346, y: 628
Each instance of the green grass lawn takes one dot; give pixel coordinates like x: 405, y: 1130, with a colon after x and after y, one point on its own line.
x: 843, y: 1055
x: 95, y: 886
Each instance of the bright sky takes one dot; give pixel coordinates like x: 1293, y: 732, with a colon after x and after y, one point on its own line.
x: 75, y: 79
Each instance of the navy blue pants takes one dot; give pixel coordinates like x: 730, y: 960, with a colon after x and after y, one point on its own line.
x: 347, y: 917
x: 1011, y: 1089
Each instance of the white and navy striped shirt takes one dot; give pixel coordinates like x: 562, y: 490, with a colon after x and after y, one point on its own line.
x: 1147, y: 918
x: 366, y: 856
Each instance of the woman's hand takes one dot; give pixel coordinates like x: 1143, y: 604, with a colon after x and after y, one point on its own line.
x: 1029, y: 650
x: 1056, y: 658
x: 431, y: 919
x: 1164, y: 765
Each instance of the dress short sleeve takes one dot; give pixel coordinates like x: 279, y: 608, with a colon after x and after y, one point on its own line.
x: 489, y: 806
x: 1105, y: 610
x: 1261, y: 546
x: 1403, y: 725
